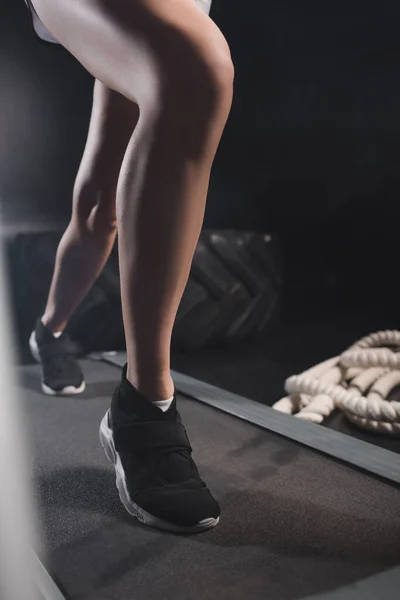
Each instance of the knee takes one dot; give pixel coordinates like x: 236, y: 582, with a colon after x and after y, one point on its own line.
x: 192, y: 77
x: 202, y: 86
x: 94, y: 208
x: 215, y: 74
x: 195, y: 96
x: 220, y: 76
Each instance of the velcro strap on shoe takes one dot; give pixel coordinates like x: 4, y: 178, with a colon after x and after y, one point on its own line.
x: 152, y: 435
x: 57, y: 348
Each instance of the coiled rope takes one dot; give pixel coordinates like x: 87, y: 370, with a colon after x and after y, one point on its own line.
x: 357, y: 382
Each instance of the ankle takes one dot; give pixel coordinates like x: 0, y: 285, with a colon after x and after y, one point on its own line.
x: 153, y: 387
x: 56, y: 327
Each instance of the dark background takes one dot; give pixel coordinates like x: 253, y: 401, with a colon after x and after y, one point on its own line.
x: 310, y: 151
x: 310, y: 154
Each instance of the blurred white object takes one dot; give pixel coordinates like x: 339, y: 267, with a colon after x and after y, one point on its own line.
x: 205, y: 5
x: 18, y: 564
x: 38, y: 26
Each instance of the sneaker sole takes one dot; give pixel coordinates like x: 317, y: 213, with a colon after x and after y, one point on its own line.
x: 107, y: 441
x: 69, y: 390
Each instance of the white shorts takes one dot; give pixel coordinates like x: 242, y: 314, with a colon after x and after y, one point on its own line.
x: 46, y: 36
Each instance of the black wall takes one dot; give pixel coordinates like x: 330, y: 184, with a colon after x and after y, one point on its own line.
x: 311, y: 148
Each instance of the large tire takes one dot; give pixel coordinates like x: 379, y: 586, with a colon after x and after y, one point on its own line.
x: 233, y: 293
x: 234, y: 290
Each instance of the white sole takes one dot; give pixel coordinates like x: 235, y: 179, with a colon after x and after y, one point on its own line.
x: 69, y: 390
x: 107, y: 441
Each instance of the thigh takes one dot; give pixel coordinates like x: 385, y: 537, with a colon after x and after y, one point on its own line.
x: 129, y: 45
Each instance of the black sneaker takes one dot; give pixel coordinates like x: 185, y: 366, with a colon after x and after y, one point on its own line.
x: 61, y: 373
x: 157, y: 479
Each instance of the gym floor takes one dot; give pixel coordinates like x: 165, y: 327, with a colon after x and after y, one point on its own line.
x: 295, y: 523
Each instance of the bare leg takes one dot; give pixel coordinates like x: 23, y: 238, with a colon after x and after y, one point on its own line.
x: 170, y: 59
x: 158, y: 236
x: 90, y: 235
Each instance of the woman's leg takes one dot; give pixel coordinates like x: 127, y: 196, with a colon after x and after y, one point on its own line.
x: 159, y: 230
x: 173, y: 62
x: 170, y: 59
x: 90, y: 235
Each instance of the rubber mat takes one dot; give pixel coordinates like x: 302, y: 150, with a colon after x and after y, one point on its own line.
x: 294, y: 522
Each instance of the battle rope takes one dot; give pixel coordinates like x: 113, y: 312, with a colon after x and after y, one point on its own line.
x: 356, y: 382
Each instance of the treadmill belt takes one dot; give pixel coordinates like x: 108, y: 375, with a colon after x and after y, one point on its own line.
x: 294, y: 522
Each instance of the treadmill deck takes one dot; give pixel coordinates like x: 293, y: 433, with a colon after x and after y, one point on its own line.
x: 294, y: 522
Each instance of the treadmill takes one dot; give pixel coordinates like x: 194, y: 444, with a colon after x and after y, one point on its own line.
x: 302, y: 516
